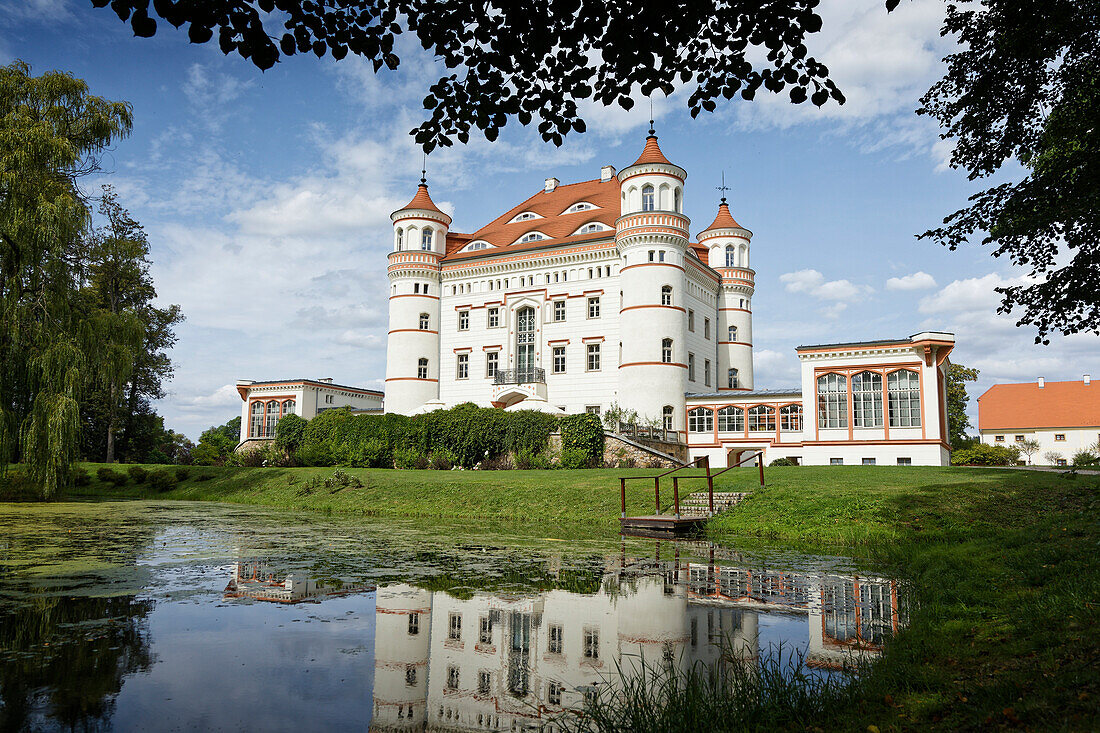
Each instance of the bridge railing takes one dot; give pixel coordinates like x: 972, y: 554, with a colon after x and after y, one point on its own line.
x: 710, y: 481
x: 701, y: 461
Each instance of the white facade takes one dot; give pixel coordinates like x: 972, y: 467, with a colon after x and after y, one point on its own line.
x: 1064, y: 417
x: 264, y: 403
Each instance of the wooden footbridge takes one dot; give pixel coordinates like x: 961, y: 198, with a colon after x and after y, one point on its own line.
x: 691, y: 514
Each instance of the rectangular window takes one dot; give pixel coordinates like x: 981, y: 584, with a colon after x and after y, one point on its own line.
x: 593, y: 307
x: 452, y: 677
x: 492, y: 363
x: 691, y: 367
x: 559, y: 311
x: 591, y: 644
x: 485, y: 630
x: 494, y: 317
x: 903, y: 395
x: 999, y: 438
x: 867, y: 400
x: 414, y: 624
x: 700, y: 420
x: 553, y: 693
x: 868, y: 461
x: 463, y: 320
x: 592, y: 409
x: 559, y: 360
x: 832, y: 401
x: 1061, y: 462
x: 593, y: 357
x: 706, y: 328
x: 836, y: 461
x: 1059, y: 436
x: 706, y: 372
x: 651, y: 255
x: 1019, y: 439
x: 410, y: 675
x: 484, y: 682
x: 731, y: 420
x: 554, y: 642
x: 462, y: 370
x: 422, y: 369
x: 661, y: 256
x: 905, y: 461
x: 454, y: 627
x: 691, y: 320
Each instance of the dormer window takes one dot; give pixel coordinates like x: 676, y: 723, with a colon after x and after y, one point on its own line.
x: 524, y: 216
x: 532, y: 237
x: 593, y: 226
x: 475, y: 246
x: 580, y: 206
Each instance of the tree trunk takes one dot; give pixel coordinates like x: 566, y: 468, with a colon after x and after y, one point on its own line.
x: 112, y: 396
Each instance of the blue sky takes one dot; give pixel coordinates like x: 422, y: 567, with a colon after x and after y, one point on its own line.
x: 267, y: 195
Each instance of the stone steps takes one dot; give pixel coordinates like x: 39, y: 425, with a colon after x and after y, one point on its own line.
x: 698, y: 504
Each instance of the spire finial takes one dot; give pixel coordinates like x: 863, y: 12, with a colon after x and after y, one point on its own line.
x: 723, y: 188
x: 424, y: 170
x: 652, y: 131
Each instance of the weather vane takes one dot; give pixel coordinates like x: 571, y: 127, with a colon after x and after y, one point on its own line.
x: 652, y: 131
x: 723, y: 188
x: 424, y: 169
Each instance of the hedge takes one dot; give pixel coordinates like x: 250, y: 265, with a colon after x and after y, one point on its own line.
x: 465, y: 435
x: 984, y: 454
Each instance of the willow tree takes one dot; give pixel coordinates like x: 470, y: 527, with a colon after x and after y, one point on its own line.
x: 52, y: 133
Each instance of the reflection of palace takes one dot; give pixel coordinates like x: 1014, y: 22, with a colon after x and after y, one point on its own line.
x: 513, y: 662
x: 254, y: 579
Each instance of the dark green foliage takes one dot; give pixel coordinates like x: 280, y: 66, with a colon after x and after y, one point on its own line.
x: 574, y: 458
x: 582, y: 432
x: 1084, y: 458
x: 81, y: 477
x: 528, y: 430
x: 527, y: 461
x: 983, y: 454
x: 138, y: 474
x: 216, y: 443
x: 442, y: 460
x: 782, y: 462
x: 162, y: 481
x: 204, y: 477
x: 289, y: 432
x: 111, y: 476
x: 957, y: 420
x: 410, y: 459
x: 183, y: 473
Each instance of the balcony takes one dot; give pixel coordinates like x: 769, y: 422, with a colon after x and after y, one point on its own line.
x: 534, y: 375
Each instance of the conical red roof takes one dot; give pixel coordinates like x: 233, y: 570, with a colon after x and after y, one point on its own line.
x: 651, y: 153
x: 423, y: 201
x: 724, y: 220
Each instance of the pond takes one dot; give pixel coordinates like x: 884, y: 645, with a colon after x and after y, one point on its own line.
x: 140, y: 615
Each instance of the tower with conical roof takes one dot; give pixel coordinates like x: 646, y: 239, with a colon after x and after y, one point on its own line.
x: 412, y: 345
x: 651, y: 237
x: 727, y: 245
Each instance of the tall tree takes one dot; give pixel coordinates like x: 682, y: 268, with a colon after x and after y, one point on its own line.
x: 957, y: 399
x: 1025, y: 86
x: 52, y: 132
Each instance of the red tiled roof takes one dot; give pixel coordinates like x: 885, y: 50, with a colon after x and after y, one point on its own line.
x: 724, y: 220
x: 423, y: 201
x: 651, y: 153
x: 1023, y: 406
x: 554, y: 224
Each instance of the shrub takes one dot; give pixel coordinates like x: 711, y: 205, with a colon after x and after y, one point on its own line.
x: 162, y: 481
x: 782, y: 462
x: 573, y: 458
x: 289, y: 432
x: 138, y: 474
x: 246, y: 459
x: 111, y: 476
x: 983, y: 454
x: 1084, y: 458
x: 503, y: 462
x: 204, y: 477
x: 528, y: 430
x: 373, y: 453
x: 410, y: 458
x: 584, y: 433
x: 183, y: 474
x: 442, y: 460
x: 81, y: 477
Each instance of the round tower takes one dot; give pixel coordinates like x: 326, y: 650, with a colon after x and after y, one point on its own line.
x: 402, y: 642
x: 651, y: 236
x: 412, y: 345
x: 727, y: 244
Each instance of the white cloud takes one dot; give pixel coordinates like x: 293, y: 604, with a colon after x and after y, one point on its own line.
x: 814, y: 283
x: 975, y: 294
x: 775, y: 369
x: 915, y: 281
x: 224, y: 396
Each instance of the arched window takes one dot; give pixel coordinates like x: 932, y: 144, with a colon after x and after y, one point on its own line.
x: 662, y: 197
x: 867, y: 400
x: 733, y: 333
x: 700, y: 420
x: 666, y: 351
x: 677, y: 202
x: 743, y: 259
x: 422, y: 369
x: 648, y: 203
x: 832, y: 401
x: 761, y: 418
x: 256, y: 425
x: 731, y: 256
x: 731, y: 420
x: 666, y: 295
x: 903, y: 390
x: 732, y: 378
x: 272, y: 418
x: 400, y: 239
x: 424, y: 321
x: 288, y: 407
x: 666, y: 415
x: 426, y: 239
x: 790, y: 417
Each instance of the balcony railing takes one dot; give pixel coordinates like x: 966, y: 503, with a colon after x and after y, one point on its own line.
x: 633, y: 430
x: 534, y: 375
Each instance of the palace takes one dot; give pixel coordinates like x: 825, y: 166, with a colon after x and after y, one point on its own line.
x: 592, y: 294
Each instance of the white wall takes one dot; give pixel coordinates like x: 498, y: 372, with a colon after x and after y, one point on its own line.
x: 1075, y: 439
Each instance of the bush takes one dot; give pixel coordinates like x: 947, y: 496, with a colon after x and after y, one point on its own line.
x: 204, y: 477
x: 81, y: 477
x: 138, y: 474
x: 528, y: 461
x: 573, y: 458
x: 782, y: 462
x: 374, y: 453
x: 528, y: 430
x: 289, y: 432
x: 410, y: 459
x: 111, y: 476
x: 246, y: 459
x: 584, y: 433
x: 1084, y: 458
x: 162, y: 481
x: 503, y: 462
x: 443, y: 460
x: 983, y: 454
x: 182, y: 474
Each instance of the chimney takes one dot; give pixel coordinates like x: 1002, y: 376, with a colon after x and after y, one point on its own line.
x: 326, y: 380
x: 551, y: 184
x: 607, y: 173
x: 1041, y: 382
x: 1088, y: 380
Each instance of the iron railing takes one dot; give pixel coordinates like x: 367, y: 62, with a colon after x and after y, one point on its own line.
x: 520, y: 376
x: 663, y: 434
